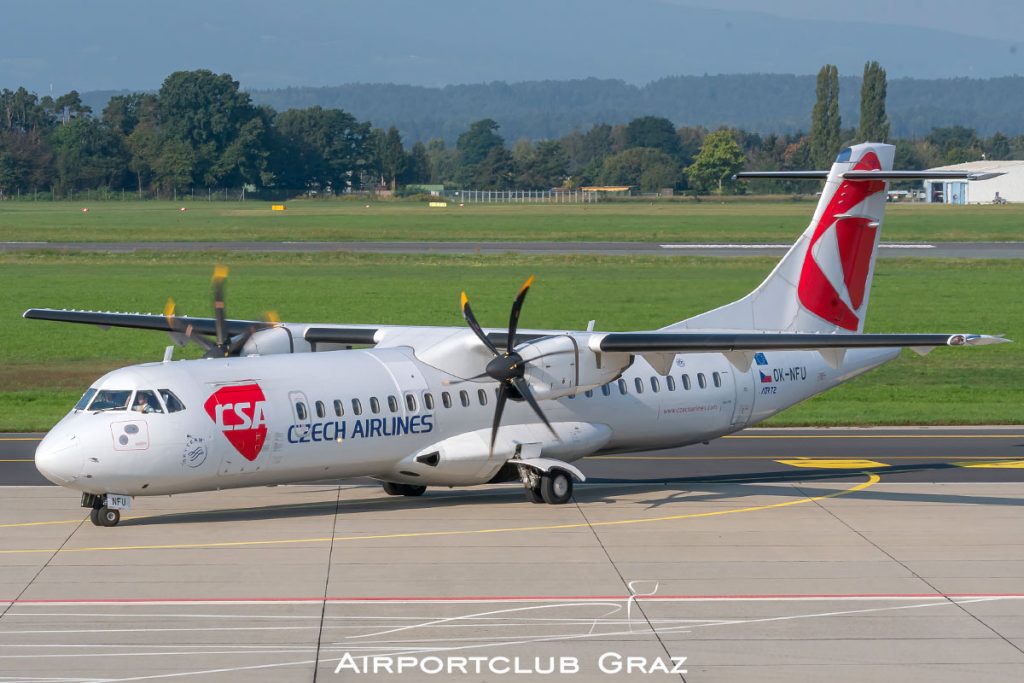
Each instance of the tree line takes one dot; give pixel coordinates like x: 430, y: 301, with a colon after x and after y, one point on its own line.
x: 200, y: 130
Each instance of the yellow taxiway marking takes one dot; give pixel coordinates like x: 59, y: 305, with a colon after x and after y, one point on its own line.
x: 20, y: 438
x: 872, y: 480
x: 832, y: 464
x: 16, y: 460
x: 994, y: 464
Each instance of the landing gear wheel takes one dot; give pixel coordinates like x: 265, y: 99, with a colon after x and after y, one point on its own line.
x: 533, y: 495
x: 556, y: 487
x: 105, y: 517
x: 413, y: 490
x: 393, y: 489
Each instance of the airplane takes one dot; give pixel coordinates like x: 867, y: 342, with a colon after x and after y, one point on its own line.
x: 276, y: 402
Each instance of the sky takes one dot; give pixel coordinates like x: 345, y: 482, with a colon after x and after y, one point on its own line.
x: 126, y: 44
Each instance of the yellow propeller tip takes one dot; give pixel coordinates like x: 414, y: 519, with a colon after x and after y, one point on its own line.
x: 169, y: 308
x: 463, y: 300
x: 526, y: 285
x: 220, y: 273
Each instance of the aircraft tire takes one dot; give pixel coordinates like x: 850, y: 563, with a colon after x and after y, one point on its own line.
x: 108, y: 517
x: 533, y: 495
x: 556, y: 487
x: 94, y: 516
x: 392, y: 489
x: 413, y: 490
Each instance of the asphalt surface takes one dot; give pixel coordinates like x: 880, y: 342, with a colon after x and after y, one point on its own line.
x: 946, y: 454
x: 985, y: 250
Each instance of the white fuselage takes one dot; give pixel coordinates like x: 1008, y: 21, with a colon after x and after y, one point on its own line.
x: 383, y: 413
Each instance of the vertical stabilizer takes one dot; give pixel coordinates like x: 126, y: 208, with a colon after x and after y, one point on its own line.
x: 823, y: 282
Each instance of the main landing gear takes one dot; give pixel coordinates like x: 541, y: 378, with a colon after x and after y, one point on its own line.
x: 393, y: 489
x: 553, y: 487
x: 100, y: 514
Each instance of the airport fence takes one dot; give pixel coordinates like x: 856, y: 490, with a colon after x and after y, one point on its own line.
x: 522, y: 196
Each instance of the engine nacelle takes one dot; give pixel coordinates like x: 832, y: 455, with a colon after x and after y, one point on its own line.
x: 562, y: 365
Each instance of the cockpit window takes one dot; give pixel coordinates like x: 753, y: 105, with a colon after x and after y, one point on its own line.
x: 86, y: 397
x: 171, y: 401
x: 109, y: 399
x: 145, y: 402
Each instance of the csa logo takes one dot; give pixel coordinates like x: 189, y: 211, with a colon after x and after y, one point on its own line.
x: 238, y: 412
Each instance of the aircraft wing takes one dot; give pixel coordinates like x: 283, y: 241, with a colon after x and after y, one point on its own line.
x: 708, y: 342
x: 140, y: 321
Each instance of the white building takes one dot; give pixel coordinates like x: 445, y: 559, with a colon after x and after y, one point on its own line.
x: 1009, y: 186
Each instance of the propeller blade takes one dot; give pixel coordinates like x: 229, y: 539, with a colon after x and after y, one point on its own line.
x: 523, y: 387
x: 183, y: 330
x: 467, y: 313
x: 460, y: 380
x: 220, y: 276
x: 517, y: 307
x: 235, y: 348
x: 498, y: 409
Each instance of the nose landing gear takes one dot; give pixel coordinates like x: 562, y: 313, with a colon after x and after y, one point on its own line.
x: 100, y: 514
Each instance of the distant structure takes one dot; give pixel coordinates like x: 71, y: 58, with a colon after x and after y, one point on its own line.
x: 1008, y: 187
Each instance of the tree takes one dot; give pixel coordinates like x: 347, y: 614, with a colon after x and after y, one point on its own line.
x: 208, y: 112
x: 825, y: 121
x: 998, y: 147
x: 495, y: 172
x: 320, y: 148
x: 390, y: 155
x: 643, y: 167
x: 474, y: 146
x: 476, y: 143
x: 720, y: 157
x: 543, y: 167
x: 874, y: 124
x: 654, y: 132
x: 417, y: 172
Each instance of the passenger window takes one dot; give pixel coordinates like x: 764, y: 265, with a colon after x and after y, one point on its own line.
x: 716, y: 378
x: 589, y: 393
x: 481, y: 396
x: 392, y: 404
x: 145, y: 402
x: 357, y: 407
x: 670, y: 382
x: 702, y: 381
x: 655, y: 385
x: 606, y: 390
x: 301, y: 412
x: 446, y: 399
x: 686, y: 382
x: 174, y: 405
x: 464, y: 398
x: 428, y: 401
x: 374, y: 405
x: 622, y: 386
x: 111, y: 400
x: 339, y: 408
x: 86, y: 397
x: 639, y: 384
x: 410, y: 403
x: 321, y: 411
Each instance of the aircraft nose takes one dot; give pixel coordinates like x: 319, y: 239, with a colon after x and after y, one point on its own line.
x: 59, y: 457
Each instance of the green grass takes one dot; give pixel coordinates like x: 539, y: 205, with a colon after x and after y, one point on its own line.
x: 45, y: 366
x: 672, y: 221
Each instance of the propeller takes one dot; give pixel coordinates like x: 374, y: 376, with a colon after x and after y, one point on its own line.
x: 222, y: 346
x: 506, y: 368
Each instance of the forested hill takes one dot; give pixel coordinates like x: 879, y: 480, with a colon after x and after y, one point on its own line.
x: 764, y: 103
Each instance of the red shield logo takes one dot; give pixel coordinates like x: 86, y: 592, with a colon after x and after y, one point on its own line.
x: 238, y: 413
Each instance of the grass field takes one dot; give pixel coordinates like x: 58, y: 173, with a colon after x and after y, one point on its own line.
x: 45, y: 366
x: 706, y: 221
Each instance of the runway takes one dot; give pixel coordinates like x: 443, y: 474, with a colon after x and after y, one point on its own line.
x: 889, y: 558
x: 945, y: 250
